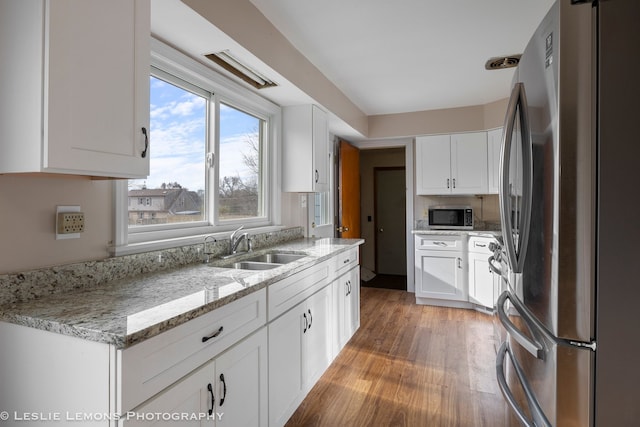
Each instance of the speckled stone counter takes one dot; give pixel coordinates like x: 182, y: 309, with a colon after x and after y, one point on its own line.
x: 481, y: 233
x: 129, y: 310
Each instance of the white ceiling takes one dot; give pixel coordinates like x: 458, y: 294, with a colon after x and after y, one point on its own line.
x: 409, y: 55
x: 385, y: 56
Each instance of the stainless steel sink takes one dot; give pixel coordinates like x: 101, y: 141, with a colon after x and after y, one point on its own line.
x: 254, y: 265
x: 277, y: 258
x: 265, y: 261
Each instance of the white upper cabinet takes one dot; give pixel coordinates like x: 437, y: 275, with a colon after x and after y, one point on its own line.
x: 494, y: 145
x: 433, y: 164
x: 305, y: 149
x: 451, y: 164
x: 75, y: 87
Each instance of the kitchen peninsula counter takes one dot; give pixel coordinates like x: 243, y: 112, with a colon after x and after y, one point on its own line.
x: 479, y: 233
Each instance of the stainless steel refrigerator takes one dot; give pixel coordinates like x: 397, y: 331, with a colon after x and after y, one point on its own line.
x: 570, y: 211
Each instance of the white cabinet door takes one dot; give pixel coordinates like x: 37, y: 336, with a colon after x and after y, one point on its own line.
x: 469, y: 163
x: 230, y: 390
x: 305, y: 149
x: 440, y: 275
x: 433, y: 165
x: 451, y: 164
x: 317, y: 351
x: 188, y: 403
x: 320, y: 150
x: 480, y: 281
x: 285, y: 365
x: 494, y: 145
x: 241, y: 383
x: 80, y: 72
x: 300, y: 350
x: 347, y: 289
x: 354, y: 294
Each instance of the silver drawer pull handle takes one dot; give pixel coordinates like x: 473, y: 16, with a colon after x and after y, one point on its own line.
x: 215, y: 334
x: 440, y: 243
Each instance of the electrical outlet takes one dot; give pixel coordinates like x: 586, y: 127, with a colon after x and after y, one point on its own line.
x: 69, y: 222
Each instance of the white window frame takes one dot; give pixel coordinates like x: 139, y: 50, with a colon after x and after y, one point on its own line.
x: 154, y: 237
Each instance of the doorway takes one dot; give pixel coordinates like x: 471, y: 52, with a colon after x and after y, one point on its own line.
x: 383, y: 185
x: 390, y: 220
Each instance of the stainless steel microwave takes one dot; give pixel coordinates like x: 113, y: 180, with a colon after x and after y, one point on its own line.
x: 451, y: 217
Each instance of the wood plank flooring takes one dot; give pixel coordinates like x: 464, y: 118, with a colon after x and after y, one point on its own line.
x: 409, y: 365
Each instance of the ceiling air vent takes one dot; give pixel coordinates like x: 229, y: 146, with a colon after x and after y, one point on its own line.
x: 230, y: 63
x: 501, y: 62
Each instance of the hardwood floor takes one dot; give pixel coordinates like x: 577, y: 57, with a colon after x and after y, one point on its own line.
x: 409, y: 365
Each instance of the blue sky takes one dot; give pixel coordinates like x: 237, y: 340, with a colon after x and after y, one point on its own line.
x: 177, y: 138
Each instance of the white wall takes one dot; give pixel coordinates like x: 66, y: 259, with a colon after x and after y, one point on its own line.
x: 27, y: 220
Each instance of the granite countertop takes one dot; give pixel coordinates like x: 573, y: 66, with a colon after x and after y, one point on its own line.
x: 127, y: 311
x: 480, y: 233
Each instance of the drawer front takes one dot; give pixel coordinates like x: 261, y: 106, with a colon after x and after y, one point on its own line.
x: 480, y: 245
x: 149, y: 367
x: 289, y: 292
x: 440, y: 243
x: 343, y: 262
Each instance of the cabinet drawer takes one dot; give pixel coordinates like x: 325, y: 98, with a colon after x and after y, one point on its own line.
x: 480, y: 245
x: 149, y: 367
x: 344, y: 262
x: 288, y: 292
x: 440, y: 243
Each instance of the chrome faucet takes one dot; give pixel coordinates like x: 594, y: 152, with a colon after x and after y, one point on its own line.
x: 234, y: 241
x: 208, y: 253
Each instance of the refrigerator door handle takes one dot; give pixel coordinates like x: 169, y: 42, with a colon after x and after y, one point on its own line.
x: 539, y: 419
x: 532, y: 346
x: 515, y: 254
x: 496, y: 270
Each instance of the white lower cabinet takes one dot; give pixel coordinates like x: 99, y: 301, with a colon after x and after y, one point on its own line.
x: 230, y: 390
x: 480, y: 281
x: 440, y: 273
x: 190, y: 396
x: 347, y: 296
x: 299, y: 352
x: 234, y: 366
x: 453, y: 270
x: 481, y: 277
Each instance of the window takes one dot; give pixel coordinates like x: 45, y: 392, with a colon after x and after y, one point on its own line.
x: 240, y: 160
x: 211, y: 161
x: 178, y: 131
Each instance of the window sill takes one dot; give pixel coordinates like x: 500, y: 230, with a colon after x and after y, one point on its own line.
x: 154, y: 245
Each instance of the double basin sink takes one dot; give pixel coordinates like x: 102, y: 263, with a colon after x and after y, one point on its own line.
x: 266, y: 261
